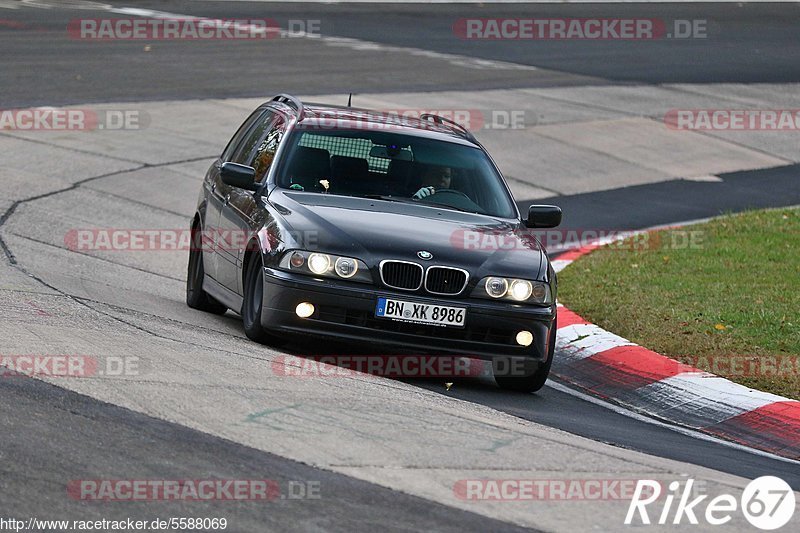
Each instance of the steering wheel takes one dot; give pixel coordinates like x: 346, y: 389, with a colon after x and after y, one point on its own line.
x: 451, y: 191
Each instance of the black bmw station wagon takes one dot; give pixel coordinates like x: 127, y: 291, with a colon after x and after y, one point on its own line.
x: 368, y: 226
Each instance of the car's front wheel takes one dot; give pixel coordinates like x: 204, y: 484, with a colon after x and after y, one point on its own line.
x: 253, y: 303
x: 531, y: 377
x: 196, y: 297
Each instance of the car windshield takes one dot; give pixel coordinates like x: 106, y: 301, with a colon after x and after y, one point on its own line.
x: 395, y: 167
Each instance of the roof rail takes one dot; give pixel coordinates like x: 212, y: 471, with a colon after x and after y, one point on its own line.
x: 436, y: 119
x: 291, y: 101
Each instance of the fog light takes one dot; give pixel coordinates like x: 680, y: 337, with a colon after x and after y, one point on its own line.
x: 305, y: 310
x: 524, y: 338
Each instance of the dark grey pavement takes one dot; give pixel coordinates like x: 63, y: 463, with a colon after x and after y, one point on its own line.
x: 43, y: 65
x: 50, y: 436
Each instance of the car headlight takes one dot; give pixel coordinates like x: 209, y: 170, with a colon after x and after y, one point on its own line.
x: 521, y: 290
x: 496, y: 287
x: 346, y: 267
x: 515, y: 290
x: 319, y: 263
x: 326, y: 265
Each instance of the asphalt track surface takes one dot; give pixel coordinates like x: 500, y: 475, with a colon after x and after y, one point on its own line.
x: 750, y: 43
x: 745, y: 43
x: 659, y: 204
x: 115, y: 440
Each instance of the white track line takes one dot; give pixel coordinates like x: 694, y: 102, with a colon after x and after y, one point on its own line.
x: 679, y: 429
x: 344, y: 42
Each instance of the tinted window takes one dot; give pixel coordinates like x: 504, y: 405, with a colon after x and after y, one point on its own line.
x: 240, y: 133
x: 396, y: 167
x: 265, y: 153
x: 243, y: 154
x: 348, y: 147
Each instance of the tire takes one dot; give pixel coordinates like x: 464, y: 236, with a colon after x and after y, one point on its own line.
x: 253, y: 302
x: 534, y: 377
x: 196, y: 297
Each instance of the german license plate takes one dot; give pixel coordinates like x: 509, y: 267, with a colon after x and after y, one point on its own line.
x: 420, y: 313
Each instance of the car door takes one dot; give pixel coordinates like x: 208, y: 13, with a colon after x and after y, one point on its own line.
x: 236, y: 219
x: 217, y: 193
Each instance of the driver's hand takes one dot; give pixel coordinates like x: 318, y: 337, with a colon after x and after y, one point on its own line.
x: 423, y: 192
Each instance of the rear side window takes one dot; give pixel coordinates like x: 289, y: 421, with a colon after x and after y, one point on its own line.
x: 245, y: 151
x: 265, y: 153
x: 236, y: 140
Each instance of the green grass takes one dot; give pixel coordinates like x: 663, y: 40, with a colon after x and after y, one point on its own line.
x: 729, y: 302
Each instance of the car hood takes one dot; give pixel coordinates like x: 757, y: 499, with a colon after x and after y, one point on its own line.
x: 374, y: 230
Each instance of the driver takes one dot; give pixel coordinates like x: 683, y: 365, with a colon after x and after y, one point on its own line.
x: 433, y: 179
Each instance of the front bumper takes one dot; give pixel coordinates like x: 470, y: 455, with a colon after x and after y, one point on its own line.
x: 346, y: 311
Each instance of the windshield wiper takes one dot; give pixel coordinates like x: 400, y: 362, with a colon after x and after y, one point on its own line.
x: 385, y: 197
x: 454, y: 208
x: 416, y: 202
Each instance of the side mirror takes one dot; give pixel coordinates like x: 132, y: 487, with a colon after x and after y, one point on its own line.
x: 237, y: 175
x: 543, y: 216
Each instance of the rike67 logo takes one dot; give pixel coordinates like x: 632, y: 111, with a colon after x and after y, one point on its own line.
x: 767, y: 503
